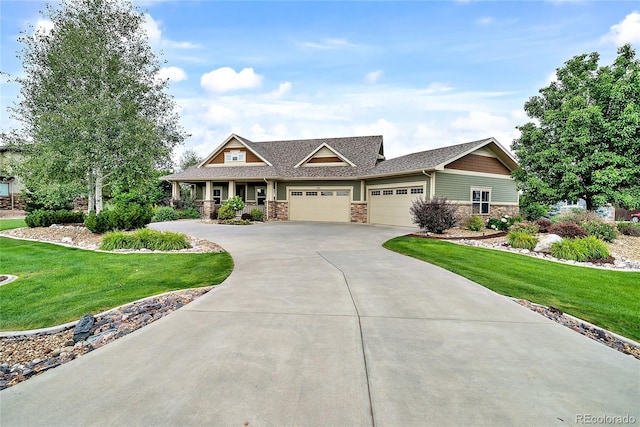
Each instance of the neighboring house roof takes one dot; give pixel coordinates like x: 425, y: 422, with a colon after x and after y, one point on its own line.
x: 285, y: 159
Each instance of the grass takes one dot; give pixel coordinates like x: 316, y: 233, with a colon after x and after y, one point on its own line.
x: 608, y: 299
x: 6, y: 224
x: 58, y: 284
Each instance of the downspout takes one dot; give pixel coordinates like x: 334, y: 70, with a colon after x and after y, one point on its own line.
x: 424, y: 172
x: 266, y: 199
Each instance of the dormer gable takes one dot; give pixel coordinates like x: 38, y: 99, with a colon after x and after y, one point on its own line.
x: 234, y: 151
x: 324, y: 155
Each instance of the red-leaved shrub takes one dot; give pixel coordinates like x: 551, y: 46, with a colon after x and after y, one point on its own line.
x: 569, y: 230
x: 544, y: 225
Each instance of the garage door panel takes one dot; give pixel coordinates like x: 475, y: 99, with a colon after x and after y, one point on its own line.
x: 321, y: 205
x: 391, y: 206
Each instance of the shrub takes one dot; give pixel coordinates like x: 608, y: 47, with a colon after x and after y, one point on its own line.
x: 257, y: 214
x: 501, y: 224
x: 522, y: 240
x: 165, y: 213
x: 213, y: 214
x: 534, y: 211
x: 629, y: 229
x: 435, y: 215
x: 234, y: 203
x: 474, y: 223
x: 189, y: 213
x: 544, y: 225
x: 121, y: 217
x: 226, y: 212
x: 568, y: 249
x: 582, y: 249
x: 245, y: 217
x: 237, y: 221
x: 144, y: 239
x: 46, y: 218
x: 525, y: 227
x: 601, y: 230
x: 569, y: 230
x: 577, y: 216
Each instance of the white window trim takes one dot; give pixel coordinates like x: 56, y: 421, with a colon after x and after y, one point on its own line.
x: 241, y: 156
x: 481, y: 189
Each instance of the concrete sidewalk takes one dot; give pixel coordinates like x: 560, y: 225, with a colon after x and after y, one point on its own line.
x: 320, y: 325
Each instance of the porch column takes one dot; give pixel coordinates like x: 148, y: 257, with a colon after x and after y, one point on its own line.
x: 175, y: 191
x: 232, y: 189
x: 207, y: 191
x: 268, y: 199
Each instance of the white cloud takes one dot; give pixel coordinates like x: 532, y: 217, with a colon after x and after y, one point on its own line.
x: 174, y: 74
x: 326, y: 44
x: 283, y: 89
x: 437, y: 87
x: 486, y: 20
x: 44, y: 25
x: 381, y: 127
x: 627, y: 31
x: 373, y: 76
x: 218, y: 114
x: 226, y: 79
x: 152, y: 27
x: 479, y: 121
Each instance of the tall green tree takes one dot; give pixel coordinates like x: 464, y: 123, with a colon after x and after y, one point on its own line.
x: 189, y: 158
x: 584, y: 140
x: 93, y: 110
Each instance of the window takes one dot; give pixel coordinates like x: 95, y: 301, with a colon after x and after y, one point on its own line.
x: 387, y: 192
x: 217, y: 196
x: 234, y: 156
x: 401, y: 191
x: 261, y: 195
x: 311, y: 193
x: 342, y: 193
x: 417, y: 190
x: 480, y: 201
x: 326, y: 193
x: 296, y: 193
x: 375, y: 192
x: 4, y: 188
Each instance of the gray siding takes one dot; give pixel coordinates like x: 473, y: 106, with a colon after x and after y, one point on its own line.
x: 458, y: 187
x: 282, y: 186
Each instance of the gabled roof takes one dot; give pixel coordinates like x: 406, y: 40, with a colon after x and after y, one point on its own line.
x: 282, y: 157
x: 438, y: 158
x: 241, y: 140
x: 320, y: 147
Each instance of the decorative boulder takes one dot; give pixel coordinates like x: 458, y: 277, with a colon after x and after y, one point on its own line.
x: 82, y: 330
x: 545, y: 244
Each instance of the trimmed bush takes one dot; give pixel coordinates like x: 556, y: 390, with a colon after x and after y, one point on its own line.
x: 237, y: 222
x: 144, y: 238
x: 435, y: 215
x: 46, y: 218
x: 474, y: 223
x: 121, y: 217
x: 213, y: 214
x: 257, y: 214
x: 582, y: 249
x: 235, y: 203
x: 522, y: 240
x: 601, y: 230
x: 245, y: 217
x: 165, y: 213
x: 569, y: 230
x: 534, y: 211
x: 226, y: 212
x: 629, y: 229
x: 525, y: 227
x: 189, y: 213
x: 544, y: 225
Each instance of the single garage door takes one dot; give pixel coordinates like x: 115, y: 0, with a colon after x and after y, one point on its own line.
x: 390, y: 206
x: 320, y: 205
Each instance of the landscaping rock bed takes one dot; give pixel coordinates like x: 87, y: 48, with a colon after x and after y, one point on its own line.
x: 23, y: 356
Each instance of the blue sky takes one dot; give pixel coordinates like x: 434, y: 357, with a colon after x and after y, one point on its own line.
x: 424, y: 74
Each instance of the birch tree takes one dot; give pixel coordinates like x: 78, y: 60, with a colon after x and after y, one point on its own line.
x: 93, y: 110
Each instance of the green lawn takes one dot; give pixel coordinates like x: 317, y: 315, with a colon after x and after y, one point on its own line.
x: 609, y: 299
x: 58, y: 284
x: 6, y: 224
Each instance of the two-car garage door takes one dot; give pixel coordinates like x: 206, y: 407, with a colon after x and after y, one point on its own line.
x: 320, y: 205
x: 390, y: 206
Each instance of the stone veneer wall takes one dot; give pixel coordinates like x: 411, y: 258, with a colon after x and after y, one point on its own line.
x: 495, y: 211
x: 359, y: 213
x: 5, y: 202
x: 282, y: 210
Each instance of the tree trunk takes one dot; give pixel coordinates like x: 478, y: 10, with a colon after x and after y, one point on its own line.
x: 90, y: 190
x: 98, y: 184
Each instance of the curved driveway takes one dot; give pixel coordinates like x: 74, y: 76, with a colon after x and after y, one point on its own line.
x: 320, y: 325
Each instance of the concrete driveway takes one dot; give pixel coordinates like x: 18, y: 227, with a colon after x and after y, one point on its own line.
x: 319, y: 325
